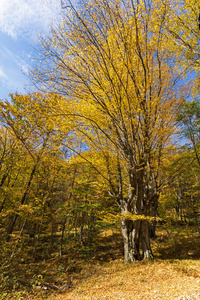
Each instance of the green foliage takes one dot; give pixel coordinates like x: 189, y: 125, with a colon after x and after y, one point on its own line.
x: 189, y: 120
x: 36, y: 280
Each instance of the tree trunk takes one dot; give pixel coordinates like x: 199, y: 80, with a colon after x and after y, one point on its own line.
x: 3, y: 203
x: 126, y: 238
x: 145, y: 240
x: 12, y: 224
x: 154, y: 208
x: 62, y: 236
x: 135, y: 234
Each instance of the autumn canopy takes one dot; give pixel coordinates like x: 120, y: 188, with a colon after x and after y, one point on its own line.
x: 111, y: 79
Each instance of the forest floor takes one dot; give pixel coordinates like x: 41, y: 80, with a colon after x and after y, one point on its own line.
x: 99, y: 273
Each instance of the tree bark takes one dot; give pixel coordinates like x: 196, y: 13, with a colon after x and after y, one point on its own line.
x: 145, y: 240
x: 136, y: 234
x: 12, y: 224
x: 152, y: 225
x: 126, y: 240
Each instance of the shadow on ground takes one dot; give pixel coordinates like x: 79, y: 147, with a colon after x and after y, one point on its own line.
x: 177, y: 247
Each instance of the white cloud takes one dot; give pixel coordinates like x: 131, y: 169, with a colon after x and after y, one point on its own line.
x: 8, y: 79
x: 12, y: 68
x: 3, y: 75
x: 26, y: 17
x: 14, y: 58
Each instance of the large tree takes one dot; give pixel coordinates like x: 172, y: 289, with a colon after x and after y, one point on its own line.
x: 115, y: 63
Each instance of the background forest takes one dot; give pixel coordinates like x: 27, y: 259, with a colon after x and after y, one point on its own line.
x: 101, y: 161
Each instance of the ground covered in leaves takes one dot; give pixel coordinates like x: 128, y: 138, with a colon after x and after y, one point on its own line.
x: 98, y: 272
x: 157, y: 280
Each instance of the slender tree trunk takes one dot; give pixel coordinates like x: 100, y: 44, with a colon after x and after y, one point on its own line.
x: 38, y: 233
x: 75, y: 228
x: 12, y: 224
x: 3, y: 203
x: 196, y: 219
x: 81, y: 235
x: 197, y: 223
x: 62, y: 236
x: 21, y: 231
x: 3, y: 179
x: 6, y: 196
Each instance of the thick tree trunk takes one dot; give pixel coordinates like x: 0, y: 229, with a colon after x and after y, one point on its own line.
x: 135, y: 241
x: 145, y: 240
x: 126, y: 238
x: 136, y: 234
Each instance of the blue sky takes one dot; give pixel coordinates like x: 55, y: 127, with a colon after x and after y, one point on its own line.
x: 21, y: 21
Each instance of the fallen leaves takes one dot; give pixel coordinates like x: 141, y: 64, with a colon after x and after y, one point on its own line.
x: 140, y: 280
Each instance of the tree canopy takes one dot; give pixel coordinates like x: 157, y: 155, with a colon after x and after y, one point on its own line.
x: 114, y: 62
x: 101, y: 130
